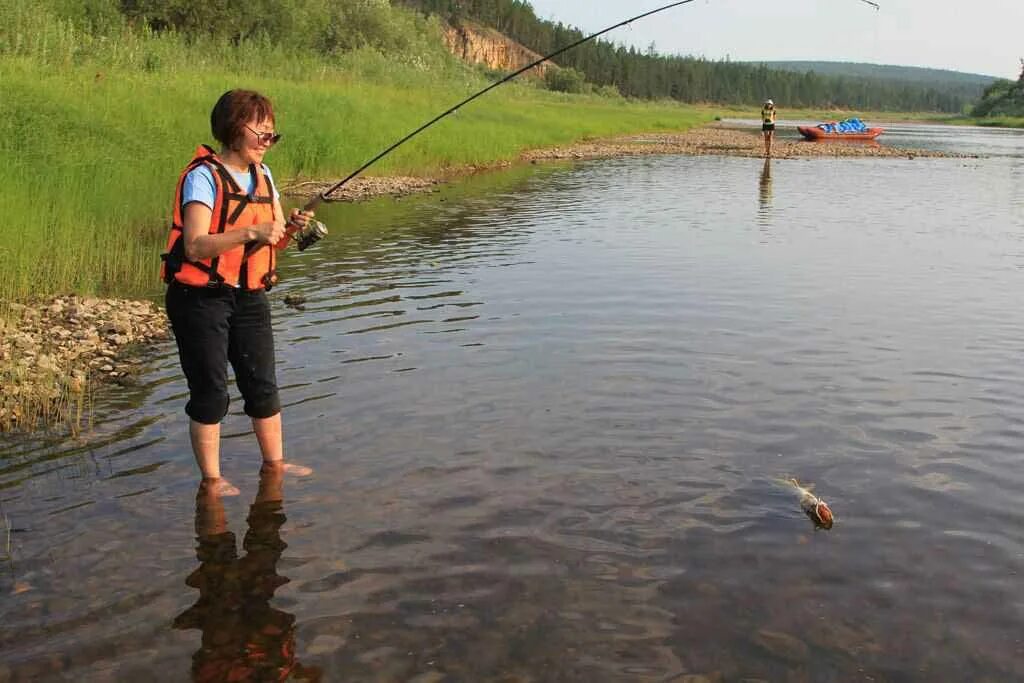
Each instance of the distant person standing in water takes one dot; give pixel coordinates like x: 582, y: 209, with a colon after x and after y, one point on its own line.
x: 222, y: 249
x: 768, y: 126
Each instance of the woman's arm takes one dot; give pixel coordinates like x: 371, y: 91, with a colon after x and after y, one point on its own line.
x: 200, y: 244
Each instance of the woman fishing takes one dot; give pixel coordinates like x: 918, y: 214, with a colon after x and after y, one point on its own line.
x: 768, y: 126
x: 227, y: 228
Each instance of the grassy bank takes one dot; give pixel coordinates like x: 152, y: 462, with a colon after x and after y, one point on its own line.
x: 93, y: 133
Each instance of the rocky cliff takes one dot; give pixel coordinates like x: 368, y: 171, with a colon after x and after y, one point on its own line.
x: 480, y: 45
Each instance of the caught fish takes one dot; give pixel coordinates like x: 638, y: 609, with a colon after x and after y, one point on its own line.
x: 815, y: 508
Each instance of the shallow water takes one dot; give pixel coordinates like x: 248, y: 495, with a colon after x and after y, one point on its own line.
x: 547, y: 410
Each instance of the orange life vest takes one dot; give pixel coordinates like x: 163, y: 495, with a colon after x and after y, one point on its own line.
x: 249, y: 266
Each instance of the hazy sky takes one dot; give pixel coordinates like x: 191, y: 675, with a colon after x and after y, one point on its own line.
x: 980, y: 36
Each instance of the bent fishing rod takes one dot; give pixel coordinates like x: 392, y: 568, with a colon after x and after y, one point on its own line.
x: 322, y: 196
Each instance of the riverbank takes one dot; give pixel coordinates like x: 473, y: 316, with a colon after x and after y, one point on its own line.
x: 53, y: 353
x: 712, y: 139
x: 723, y: 140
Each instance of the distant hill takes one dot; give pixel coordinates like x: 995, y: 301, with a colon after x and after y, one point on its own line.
x: 970, y: 86
x: 643, y: 73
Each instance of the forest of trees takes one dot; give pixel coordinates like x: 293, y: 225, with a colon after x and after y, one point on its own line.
x: 645, y: 74
x: 1003, y: 98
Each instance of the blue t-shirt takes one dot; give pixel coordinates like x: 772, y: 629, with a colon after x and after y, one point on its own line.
x: 200, y: 187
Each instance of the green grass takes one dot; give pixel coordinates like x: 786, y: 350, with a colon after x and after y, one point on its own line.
x: 94, y: 131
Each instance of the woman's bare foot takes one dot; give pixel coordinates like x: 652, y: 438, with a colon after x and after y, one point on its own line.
x: 218, y: 487
x: 289, y: 467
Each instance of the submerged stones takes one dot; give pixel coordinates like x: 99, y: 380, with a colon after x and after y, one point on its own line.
x: 782, y: 646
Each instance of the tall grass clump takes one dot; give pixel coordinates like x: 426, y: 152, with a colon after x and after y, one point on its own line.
x: 101, y: 109
x: 37, y: 397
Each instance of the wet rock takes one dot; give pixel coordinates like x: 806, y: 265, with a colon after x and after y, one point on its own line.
x: 855, y: 641
x: 715, y: 677
x: 377, y: 655
x: 428, y: 677
x: 782, y: 646
x: 325, y: 644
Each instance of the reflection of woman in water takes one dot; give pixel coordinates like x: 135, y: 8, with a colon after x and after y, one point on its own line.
x: 765, y: 186
x: 243, y: 637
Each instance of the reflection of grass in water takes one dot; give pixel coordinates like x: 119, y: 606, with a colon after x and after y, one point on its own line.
x: 7, y: 554
x: 432, y: 225
x: 372, y: 217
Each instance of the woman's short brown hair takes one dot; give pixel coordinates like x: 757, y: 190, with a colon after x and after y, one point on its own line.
x: 233, y: 110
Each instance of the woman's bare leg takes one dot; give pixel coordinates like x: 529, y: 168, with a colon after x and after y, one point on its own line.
x: 268, y: 434
x: 206, y: 447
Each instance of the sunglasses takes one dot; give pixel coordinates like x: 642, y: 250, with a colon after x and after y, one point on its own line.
x: 264, y: 138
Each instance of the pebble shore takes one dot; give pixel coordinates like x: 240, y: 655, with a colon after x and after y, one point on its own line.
x: 52, y: 353
x: 715, y: 139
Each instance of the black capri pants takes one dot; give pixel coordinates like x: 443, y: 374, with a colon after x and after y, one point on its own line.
x: 215, y: 325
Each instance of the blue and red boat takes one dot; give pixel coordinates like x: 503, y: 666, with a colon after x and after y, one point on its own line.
x: 850, y: 129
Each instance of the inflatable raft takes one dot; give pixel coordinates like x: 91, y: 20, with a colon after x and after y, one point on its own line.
x: 850, y: 129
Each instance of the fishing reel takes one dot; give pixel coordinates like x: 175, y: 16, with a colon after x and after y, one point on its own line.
x: 309, y: 235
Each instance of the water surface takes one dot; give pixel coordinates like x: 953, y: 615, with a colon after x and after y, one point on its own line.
x: 547, y: 410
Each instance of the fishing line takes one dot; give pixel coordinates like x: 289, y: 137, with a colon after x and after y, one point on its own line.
x: 315, y: 201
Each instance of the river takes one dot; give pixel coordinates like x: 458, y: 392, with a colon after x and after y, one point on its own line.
x: 547, y: 411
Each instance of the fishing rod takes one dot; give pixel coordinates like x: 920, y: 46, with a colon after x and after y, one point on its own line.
x: 315, y: 201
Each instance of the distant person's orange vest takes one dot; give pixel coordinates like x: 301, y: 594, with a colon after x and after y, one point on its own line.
x: 247, y: 266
